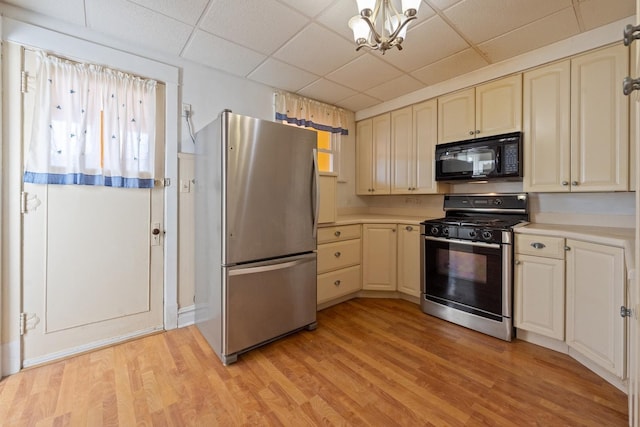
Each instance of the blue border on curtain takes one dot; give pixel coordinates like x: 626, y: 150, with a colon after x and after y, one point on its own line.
x: 310, y: 124
x: 83, y: 179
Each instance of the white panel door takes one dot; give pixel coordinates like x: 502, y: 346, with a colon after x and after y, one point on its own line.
x: 93, y: 268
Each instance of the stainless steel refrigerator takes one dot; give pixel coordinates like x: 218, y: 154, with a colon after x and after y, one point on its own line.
x: 256, y: 220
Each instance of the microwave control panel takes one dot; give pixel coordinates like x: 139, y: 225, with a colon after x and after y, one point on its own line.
x: 511, y: 159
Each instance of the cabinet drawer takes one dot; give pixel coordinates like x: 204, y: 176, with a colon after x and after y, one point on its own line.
x: 338, y: 255
x: 338, y: 283
x: 544, y: 246
x: 338, y: 233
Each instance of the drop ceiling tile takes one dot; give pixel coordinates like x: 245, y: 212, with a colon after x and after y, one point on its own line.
x: 483, y: 20
x: 310, y: 8
x: 217, y: 53
x: 317, y: 50
x: 442, y: 4
x: 326, y: 91
x: 282, y: 76
x: 69, y: 11
x: 426, y: 43
x: 138, y: 25
x: 600, y: 12
x: 263, y: 25
x: 364, y: 72
x: 394, y: 88
x: 547, y: 30
x: 187, y: 11
x: 455, y: 65
x: 358, y: 102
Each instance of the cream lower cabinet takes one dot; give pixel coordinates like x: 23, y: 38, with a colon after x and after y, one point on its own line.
x: 379, y: 254
x: 339, y: 256
x: 409, y: 259
x: 595, y: 292
x: 539, y: 303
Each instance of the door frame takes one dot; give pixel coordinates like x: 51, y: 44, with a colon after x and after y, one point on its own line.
x: 23, y: 34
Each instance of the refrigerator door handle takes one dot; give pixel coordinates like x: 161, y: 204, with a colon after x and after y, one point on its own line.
x: 272, y: 267
x: 316, y: 193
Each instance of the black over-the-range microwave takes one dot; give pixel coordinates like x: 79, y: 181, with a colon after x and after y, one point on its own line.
x: 497, y: 157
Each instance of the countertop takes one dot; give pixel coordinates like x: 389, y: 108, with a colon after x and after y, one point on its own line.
x: 374, y: 219
x: 612, y: 236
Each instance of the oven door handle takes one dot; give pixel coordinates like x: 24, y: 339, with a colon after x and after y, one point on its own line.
x: 464, y: 242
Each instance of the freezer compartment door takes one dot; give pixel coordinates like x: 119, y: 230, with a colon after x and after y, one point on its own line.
x: 268, y: 299
x: 270, y: 205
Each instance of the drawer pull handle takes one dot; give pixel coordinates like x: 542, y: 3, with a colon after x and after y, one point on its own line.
x: 409, y: 228
x: 337, y: 254
x: 537, y: 245
x: 516, y: 262
x: 337, y: 234
x: 337, y: 283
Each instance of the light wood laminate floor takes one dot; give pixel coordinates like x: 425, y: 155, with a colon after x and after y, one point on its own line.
x: 371, y: 362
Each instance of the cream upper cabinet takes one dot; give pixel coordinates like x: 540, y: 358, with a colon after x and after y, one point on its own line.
x: 413, y: 138
x: 488, y: 109
x: 379, y: 246
x: 576, y: 123
x: 373, y: 147
x: 595, y: 292
x: 599, y: 121
x: 409, y: 259
x: 539, y: 303
x: 546, y: 126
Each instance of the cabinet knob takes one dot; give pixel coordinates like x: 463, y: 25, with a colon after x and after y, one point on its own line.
x: 408, y: 228
x: 565, y: 183
x: 629, y: 34
x: 538, y: 245
x: 567, y: 248
x: 477, y: 131
x: 629, y: 85
x: 337, y: 282
x: 337, y: 254
x: 337, y: 234
x: 471, y: 132
x: 574, y: 183
x: 516, y: 262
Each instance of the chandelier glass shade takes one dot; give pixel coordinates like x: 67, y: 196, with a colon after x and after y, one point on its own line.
x: 380, y: 26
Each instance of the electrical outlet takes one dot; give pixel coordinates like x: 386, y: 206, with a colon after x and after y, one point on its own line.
x: 186, y: 110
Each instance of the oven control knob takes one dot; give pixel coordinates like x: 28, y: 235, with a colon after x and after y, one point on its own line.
x: 487, y: 235
x: 497, y: 202
x: 445, y: 231
x: 472, y: 234
x: 435, y: 231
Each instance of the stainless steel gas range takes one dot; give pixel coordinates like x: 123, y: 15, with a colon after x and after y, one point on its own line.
x: 467, y: 261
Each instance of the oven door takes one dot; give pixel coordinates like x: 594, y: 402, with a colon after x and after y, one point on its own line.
x: 468, y: 276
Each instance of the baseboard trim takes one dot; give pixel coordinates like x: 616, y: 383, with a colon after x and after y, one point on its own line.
x: 187, y: 316
x: 10, y: 358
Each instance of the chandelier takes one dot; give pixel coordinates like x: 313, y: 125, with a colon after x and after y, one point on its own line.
x: 392, y: 25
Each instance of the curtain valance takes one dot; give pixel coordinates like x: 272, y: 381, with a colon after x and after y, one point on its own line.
x: 310, y: 113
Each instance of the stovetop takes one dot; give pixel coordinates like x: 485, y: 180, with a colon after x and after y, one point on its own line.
x: 488, y: 218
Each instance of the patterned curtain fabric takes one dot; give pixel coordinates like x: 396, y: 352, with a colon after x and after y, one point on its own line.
x: 309, y: 113
x: 91, y: 126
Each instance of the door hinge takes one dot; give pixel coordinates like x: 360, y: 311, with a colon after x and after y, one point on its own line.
x: 162, y: 182
x: 28, y: 204
x: 28, y: 321
x: 24, y: 78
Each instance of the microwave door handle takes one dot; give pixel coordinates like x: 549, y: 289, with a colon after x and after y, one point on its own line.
x: 498, y: 160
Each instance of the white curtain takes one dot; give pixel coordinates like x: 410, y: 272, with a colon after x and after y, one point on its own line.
x: 309, y: 113
x: 92, y: 126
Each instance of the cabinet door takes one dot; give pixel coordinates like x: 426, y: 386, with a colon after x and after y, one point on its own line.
x: 456, y: 116
x: 539, y: 295
x: 402, y: 152
x: 599, y: 121
x: 425, y: 137
x: 409, y: 259
x: 327, y: 209
x: 547, y: 141
x: 595, y: 292
x: 379, y: 257
x: 498, y: 106
x: 364, y: 157
x: 381, y: 160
